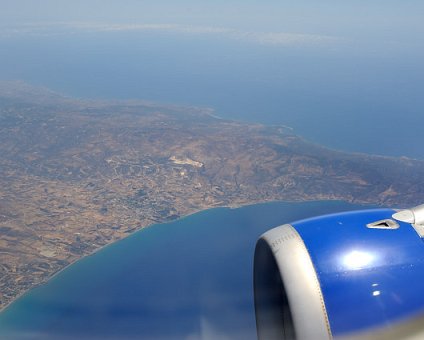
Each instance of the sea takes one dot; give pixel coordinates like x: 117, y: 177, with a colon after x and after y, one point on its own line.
x: 343, y: 95
x: 187, y: 279
x: 192, y: 278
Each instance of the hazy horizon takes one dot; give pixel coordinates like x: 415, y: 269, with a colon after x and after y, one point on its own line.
x: 333, y: 71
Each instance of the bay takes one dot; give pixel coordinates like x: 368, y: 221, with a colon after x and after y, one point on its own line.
x: 187, y: 279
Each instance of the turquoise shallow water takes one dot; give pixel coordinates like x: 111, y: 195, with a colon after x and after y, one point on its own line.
x: 187, y: 279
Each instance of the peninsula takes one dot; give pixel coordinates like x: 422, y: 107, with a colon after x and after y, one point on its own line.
x: 80, y: 174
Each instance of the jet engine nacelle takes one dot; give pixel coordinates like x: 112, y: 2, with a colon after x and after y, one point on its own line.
x: 355, y: 275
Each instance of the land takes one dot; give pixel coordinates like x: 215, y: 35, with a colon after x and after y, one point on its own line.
x: 77, y: 175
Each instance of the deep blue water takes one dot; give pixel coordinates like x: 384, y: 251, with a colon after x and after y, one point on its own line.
x: 346, y: 96
x: 193, y: 278
x: 188, y: 279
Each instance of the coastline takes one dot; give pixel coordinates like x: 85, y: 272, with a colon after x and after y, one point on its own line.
x: 229, y: 206
x: 143, y: 188
x: 23, y: 293
x: 4, y: 308
x: 156, y: 270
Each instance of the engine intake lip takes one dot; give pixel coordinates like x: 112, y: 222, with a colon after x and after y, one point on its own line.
x: 287, y: 290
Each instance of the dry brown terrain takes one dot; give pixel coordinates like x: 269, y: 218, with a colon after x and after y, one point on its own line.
x: 77, y: 175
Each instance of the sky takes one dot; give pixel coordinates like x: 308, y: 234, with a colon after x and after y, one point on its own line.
x: 347, y: 74
x: 352, y: 64
x: 363, y: 26
x: 371, y: 20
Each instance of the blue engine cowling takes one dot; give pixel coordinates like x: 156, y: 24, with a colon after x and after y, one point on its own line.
x: 354, y: 275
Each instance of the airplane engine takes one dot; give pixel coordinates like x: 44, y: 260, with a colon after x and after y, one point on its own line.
x: 354, y: 275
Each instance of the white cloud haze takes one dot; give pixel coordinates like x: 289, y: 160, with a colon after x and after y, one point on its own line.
x: 267, y: 38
